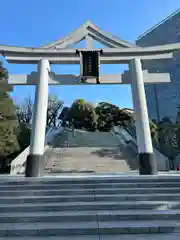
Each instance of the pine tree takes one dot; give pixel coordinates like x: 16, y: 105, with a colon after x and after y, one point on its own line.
x: 8, y: 120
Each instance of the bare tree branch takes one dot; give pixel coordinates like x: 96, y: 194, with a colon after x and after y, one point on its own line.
x: 25, y: 110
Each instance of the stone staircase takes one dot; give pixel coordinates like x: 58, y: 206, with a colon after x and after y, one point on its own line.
x: 78, y: 151
x: 100, y: 152
x: 91, y: 207
x: 82, y: 151
x: 80, y: 138
x: 85, y: 159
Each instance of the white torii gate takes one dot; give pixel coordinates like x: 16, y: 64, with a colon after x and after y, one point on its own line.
x: 58, y: 53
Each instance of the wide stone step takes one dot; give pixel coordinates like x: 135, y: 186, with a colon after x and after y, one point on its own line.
x: 159, y: 236
x: 50, y: 192
x: 77, y: 237
x: 88, y: 228
x: 89, y: 197
x: 46, y: 192
x: 89, y: 186
x: 88, y: 191
x: 88, y: 206
x: 48, y: 229
x: 47, y: 199
x: 151, y: 236
x: 144, y: 227
x: 137, y: 190
x: 92, y: 144
x: 81, y: 216
x: 133, y: 177
x: 48, y: 216
x: 91, y: 179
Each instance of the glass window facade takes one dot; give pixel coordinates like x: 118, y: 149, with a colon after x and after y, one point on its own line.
x: 163, y: 98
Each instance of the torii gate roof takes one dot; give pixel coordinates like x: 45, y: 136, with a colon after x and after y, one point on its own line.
x: 58, y: 52
x: 89, y: 29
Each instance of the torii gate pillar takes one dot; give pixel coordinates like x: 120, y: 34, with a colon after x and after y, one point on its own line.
x: 35, y: 159
x: 147, y: 161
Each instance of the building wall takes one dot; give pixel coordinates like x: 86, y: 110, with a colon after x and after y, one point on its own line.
x: 162, y: 99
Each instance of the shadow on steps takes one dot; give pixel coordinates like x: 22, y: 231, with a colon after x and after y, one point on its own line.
x: 119, y: 154
x: 69, y: 171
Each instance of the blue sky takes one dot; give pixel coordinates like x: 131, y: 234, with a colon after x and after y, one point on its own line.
x: 38, y: 22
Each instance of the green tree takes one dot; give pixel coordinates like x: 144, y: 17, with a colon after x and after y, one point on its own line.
x: 153, y: 129
x: 167, y: 137
x: 82, y: 115
x: 178, y: 114
x: 110, y: 115
x: 23, y: 135
x: 166, y: 121
x: 178, y: 136
x: 8, y: 120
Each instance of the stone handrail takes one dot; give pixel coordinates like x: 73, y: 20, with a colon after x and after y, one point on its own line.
x: 18, y: 164
x: 162, y: 161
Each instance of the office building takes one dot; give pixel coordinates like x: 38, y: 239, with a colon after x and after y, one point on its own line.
x: 163, y: 99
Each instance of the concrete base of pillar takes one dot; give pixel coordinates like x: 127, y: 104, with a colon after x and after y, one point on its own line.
x: 34, y: 166
x: 147, y: 164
